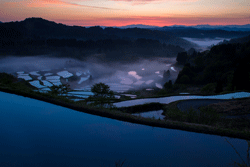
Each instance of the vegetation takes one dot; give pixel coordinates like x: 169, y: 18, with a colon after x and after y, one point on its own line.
x: 206, y: 116
x: 209, y: 88
x: 182, y: 58
x: 103, y: 96
x: 119, y: 115
x: 225, y: 63
x: 112, y: 44
x: 59, y: 90
x: 226, y: 69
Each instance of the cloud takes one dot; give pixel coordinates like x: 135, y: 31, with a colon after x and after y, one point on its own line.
x: 141, y: 2
x: 161, y: 20
x: 46, y: 3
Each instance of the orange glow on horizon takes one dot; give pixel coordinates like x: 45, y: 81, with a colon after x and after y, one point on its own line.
x: 126, y: 12
x: 154, y: 21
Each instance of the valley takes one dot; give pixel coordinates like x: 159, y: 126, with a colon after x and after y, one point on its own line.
x: 98, y: 94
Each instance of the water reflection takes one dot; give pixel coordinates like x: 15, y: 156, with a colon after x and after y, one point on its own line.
x: 35, y: 133
x: 151, y: 114
x: 166, y: 100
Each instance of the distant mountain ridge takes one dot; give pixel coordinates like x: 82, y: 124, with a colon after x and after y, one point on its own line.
x: 138, y: 26
x: 192, y: 32
x: 200, y: 31
x: 37, y: 36
x: 245, y: 27
x: 41, y: 28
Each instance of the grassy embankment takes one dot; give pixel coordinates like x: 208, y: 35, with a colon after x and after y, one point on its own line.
x: 174, y: 122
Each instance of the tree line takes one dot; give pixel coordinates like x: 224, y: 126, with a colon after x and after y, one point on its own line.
x: 224, y: 68
x: 113, y: 49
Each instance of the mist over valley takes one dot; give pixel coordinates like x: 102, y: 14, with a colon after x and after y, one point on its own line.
x: 81, y: 75
x: 124, y: 83
x: 46, y: 53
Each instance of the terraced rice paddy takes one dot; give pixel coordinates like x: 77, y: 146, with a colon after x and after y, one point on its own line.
x: 81, y: 80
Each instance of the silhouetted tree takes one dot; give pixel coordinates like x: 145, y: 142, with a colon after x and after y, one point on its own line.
x: 102, y: 95
x: 241, y: 79
x: 59, y: 90
x: 182, y: 57
x: 168, y: 85
x: 219, y: 87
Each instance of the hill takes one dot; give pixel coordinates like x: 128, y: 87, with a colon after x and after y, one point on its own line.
x: 194, y: 32
x: 41, y: 28
x: 240, y: 40
x: 36, y: 36
x: 200, y: 31
x: 224, y: 68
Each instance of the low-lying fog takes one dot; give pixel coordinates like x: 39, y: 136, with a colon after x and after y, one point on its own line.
x: 204, y: 43
x: 82, y: 74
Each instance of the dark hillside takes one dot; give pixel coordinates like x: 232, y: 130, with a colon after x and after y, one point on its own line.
x: 203, y: 33
x: 38, y: 27
x: 225, y: 68
x: 240, y: 40
x: 36, y: 36
x: 135, y: 33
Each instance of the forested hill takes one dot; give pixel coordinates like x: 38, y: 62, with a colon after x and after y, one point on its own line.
x: 41, y: 28
x: 203, y: 33
x: 224, y: 68
x: 39, y: 37
x: 240, y: 40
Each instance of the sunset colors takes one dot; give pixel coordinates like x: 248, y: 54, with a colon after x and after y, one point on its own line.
x: 126, y: 12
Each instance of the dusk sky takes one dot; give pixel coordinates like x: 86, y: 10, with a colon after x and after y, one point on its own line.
x: 126, y: 12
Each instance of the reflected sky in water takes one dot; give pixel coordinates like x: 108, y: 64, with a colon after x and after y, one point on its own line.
x: 35, y: 133
x: 166, y: 100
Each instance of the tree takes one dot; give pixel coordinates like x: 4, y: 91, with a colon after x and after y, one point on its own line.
x: 59, y: 90
x: 182, y: 57
x: 168, y: 85
x: 102, y: 90
x: 102, y: 95
x: 186, y: 76
x: 241, y: 80
x: 209, y: 88
x: 219, y: 87
x: 6, y: 79
x: 166, y: 74
x: 185, y: 79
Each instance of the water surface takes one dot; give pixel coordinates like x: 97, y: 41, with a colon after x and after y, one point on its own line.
x: 36, y: 133
x: 167, y: 100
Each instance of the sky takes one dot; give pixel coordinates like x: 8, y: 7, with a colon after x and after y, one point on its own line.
x: 127, y: 12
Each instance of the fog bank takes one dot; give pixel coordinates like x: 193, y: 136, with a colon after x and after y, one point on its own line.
x: 83, y: 74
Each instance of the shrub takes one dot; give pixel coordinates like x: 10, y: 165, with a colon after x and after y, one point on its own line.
x: 185, y: 79
x: 102, y: 95
x: 175, y: 114
x: 208, y: 115
x: 191, y: 115
x: 209, y: 88
x: 7, y: 79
